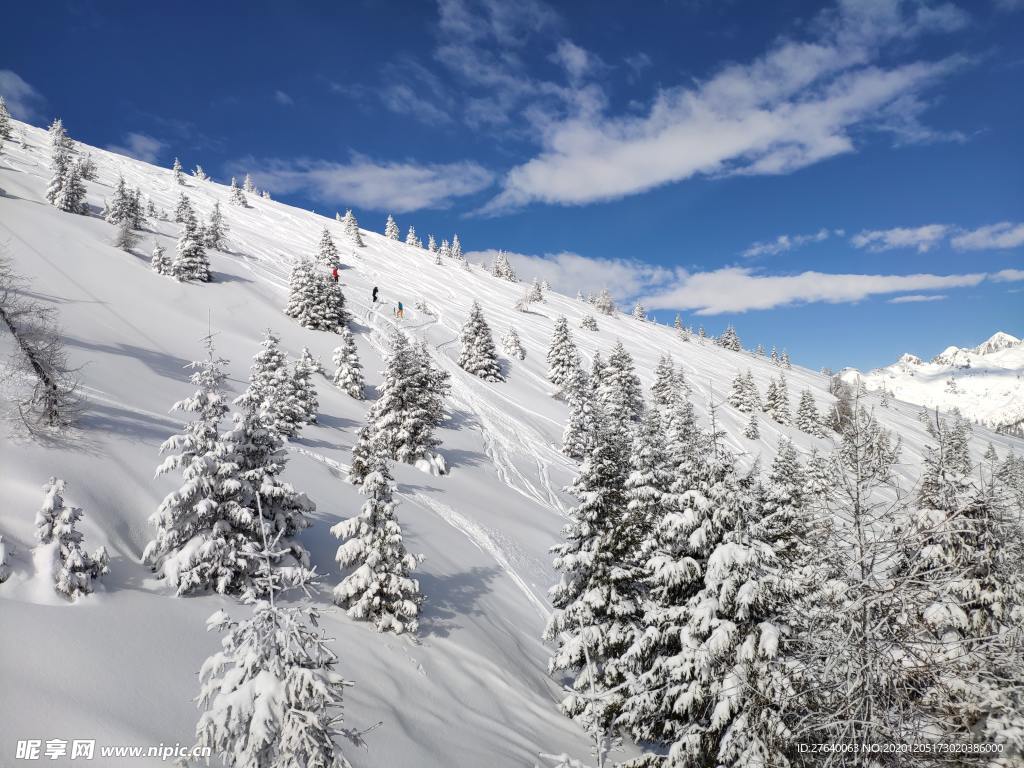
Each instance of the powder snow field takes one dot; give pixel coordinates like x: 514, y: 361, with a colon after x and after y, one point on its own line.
x: 121, y: 666
x: 987, y: 380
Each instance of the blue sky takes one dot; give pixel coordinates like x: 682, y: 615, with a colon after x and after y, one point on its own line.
x: 842, y: 179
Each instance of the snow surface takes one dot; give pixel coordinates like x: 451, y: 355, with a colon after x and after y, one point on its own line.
x: 121, y: 665
x: 987, y: 380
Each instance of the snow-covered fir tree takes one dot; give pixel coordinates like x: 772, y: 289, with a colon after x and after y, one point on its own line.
x: 179, y: 177
x: 216, y: 229
x: 161, y: 262
x: 807, y: 417
x: 501, y: 268
x: 182, y: 208
x: 59, y: 139
x: 536, y: 291
x: 784, y: 360
x: 87, y: 168
x: 774, y: 357
x: 562, y: 358
x: 597, y: 603
x: 730, y: 339
x: 457, y: 248
x: 5, y: 121
x: 588, y: 323
x: 236, y: 196
x: 378, y: 587
x: 200, y: 174
x: 412, y: 239
x: 579, y: 434
x: 776, y: 402
x: 511, y: 344
x: 191, y: 261
x: 305, y: 399
x: 125, y: 238
x: 271, y: 391
x: 432, y: 244
x: 604, y: 303
x: 74, y: 570
x: 314, y: 299
x: 352, y: 228
x: 391, y: 229
x: 348, y: 371
x: 248, y: 185
x: 744, y: 396
x: 639, y: 313
x: 620, y: 391
x: 326, y: 250
x: 477, y: 354
x: 271, y: 697
x: 121, y: 204
x: 5, y: 566
x: 664, y: 386
x: 408, y: 408
x: 752, y: 431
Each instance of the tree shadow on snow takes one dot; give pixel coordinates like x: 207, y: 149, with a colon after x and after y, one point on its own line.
x: 162, y: 363
x: 139, y: 427
x: 450, y: 596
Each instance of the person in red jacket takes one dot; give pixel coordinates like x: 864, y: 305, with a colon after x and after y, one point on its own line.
x: 334, y: 274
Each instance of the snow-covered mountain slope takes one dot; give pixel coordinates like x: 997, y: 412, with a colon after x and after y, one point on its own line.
x: 985, y: 382
x: 120, y: 666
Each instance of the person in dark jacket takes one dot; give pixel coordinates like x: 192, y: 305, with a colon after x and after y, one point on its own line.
x: 375, y: 294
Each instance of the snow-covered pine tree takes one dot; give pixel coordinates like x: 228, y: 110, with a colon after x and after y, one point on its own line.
x: 597, y: 603
x: 730, y: 339
x: 348, y: 371
x: 216, y: 230
x: 199, y: 173
x: 663, y: 388
x: 5, y: 566
x: 511, y: 344
x: 314, y: 300
x: 305, y: 398
x: 562, y: 357
x: 503, y: 269
x: 59, y: 139
x: 270, y: 389
x: 5, y: 121
x: 125, y: 238
x: 432, y: 244
x: 445, y: 251
x: 478, y: 355
x: 236, y: 196
x: 784, y: 360
x: 271, y: 696
x: 536, y: 291
x: 752, y: 431
x: 248, y: 185
x: 579, y: 433
x: 120, y: 207
x: 74, y: 570
x: 182, y: 208
x: 774, y: 357
x: 326, y: 251
x: 604, y: 303
x: 179, y: 177
x: 352, y: 228
x: 588, y: 323
x: 621, y: 395
x: 639, y: 313
x: 191, y: 261
x: 777, y: 401
x: 744, y: 396
x: 412, y: 239
x: 457, y: 248
x: 649, y: 480
x: 378, y: 587
x: 391, y: 228
x: 71, y: 197
x: 807, y: 417
x: 408, y: 408
x: 161, y: 263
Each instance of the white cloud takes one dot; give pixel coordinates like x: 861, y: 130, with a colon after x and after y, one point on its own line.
x: 283, y: 98
x: 397, y: 187
x: 569, y: 272
x: 922, y: 238
x: 914, y: 298
x: 796, y: 105
x: 1010, y: 5
x: 576, y: 61
x: 738, y: 289
x: 1008, y: 275
x: 141, y: 146
x: 784, y: 243
x: 1002, y: 235
x: 22, y: 99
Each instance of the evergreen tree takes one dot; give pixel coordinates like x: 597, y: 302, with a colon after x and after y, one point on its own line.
x: 774, y: 357
x: 5, y: 568
x: 352, y: 228
x: 271, y: 392
x: 604, y: 303
x: 432, y: 244
x: 445, y: 251
x: 216, y: 230
x: 777, y: 401
x: 161, y: 263
x: 512, y: 346
x: 74, y: 570
x: 751, y: 431
x: 59, y: 139
x: 271, y: 696
x: 588, y: 323
x: 200, y: 174
x: 178, y: 176
x: 457, y: 248
x: 316, y: 301
x: 648, y: 498
x: 639, y: 313
x: 412, y: 239
x: 502, y: 269
x: 378, y: 587
x: 536, y: 292
x: 391, y: 229
x: 191, y: 261
x: 563, y: 358
x: 478, y: 355
x: 182, y: 209
x: 408, y: 408
x: 70, y: 196
x: 236, y: 196
x: 348, y: 371
x: 663, y: 389
x: 579, y: 434
x: 248, y: 185
x: 5, y: 121
x: 620, y: 391
x: 120, y: 208
x: 597, y: 602
x: 730, y: 340
x: 87, y: 168
x: 125, y: 239
x: 807, y: 418
x: 327, y: 252
x: 744, y: 396
x: 306, y: 400
x: 784, y: 360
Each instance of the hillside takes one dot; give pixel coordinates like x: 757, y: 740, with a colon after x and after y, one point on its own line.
x: 472, y: 689
x: 985, y: 382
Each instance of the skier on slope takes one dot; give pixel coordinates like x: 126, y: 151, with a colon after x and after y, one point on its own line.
x: 375, y: 294
x: 334, y: 274
x: 400, y: 312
